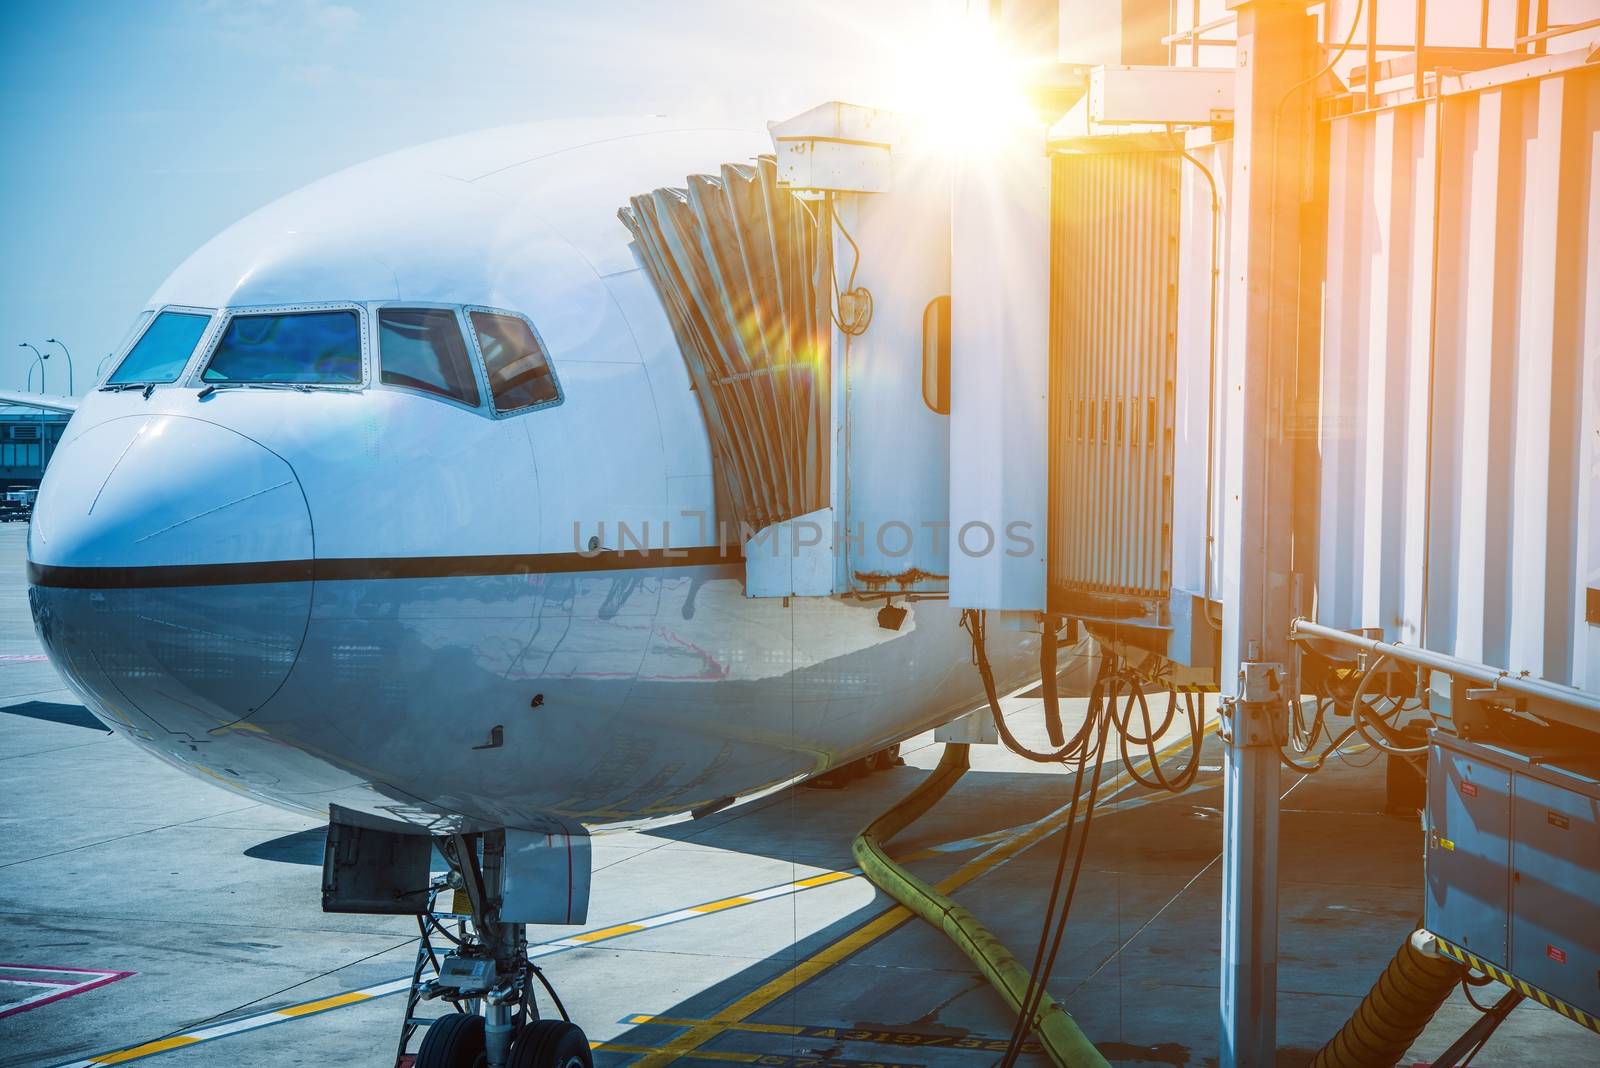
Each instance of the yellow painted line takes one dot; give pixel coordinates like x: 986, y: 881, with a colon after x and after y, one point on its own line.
x: 718, y: 906
x: 707, y: 1054
x: 607, y: 932
x: 852, y: 943
x: 1010, y: 842
x: 160, y: 1045
x: 824, y: 880
x: 754, y: 1028
x: 326, y: 1003
x: 826, y: 958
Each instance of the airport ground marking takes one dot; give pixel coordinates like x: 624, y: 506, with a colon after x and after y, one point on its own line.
x: 584, y: 939
x: 54, y: 989
x: 688, y: 1044
x: 844, y: 1033
x: 1002, y: 844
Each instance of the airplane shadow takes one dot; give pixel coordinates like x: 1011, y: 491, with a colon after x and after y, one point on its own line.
x: 57, y: 712
x: 913, y: 999
x: 301, y: 847
x: 305, y: 847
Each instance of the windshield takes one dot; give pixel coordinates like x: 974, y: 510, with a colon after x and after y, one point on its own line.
x: 318, y: 347
x: 164, y: 349
x: 519, y: 374
x: 421, y: 348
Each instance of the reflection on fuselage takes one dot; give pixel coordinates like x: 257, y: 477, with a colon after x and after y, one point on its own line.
x: 619, y: 695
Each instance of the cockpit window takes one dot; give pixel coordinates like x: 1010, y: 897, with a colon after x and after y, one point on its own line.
x: 163, y: 350
x: 318, y: 347
x: 519, y: 372
x: 422, y: 348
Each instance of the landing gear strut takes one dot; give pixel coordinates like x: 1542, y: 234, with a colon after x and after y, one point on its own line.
x: 486, y: 976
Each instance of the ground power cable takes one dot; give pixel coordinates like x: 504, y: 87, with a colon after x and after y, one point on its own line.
x: 1110, y: 706
x: 1063, y: 1041
x: 1041, y: 976
x: 1030, y: 997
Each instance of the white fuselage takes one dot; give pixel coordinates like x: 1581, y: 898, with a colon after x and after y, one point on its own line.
x: 383, y: 599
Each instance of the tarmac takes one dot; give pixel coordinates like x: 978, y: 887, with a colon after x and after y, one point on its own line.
x: 150, y: 916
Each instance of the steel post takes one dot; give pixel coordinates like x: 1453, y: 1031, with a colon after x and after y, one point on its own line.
x: 1272, y: 124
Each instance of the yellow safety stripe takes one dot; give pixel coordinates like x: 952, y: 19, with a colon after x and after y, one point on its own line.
x: 1472, y: 960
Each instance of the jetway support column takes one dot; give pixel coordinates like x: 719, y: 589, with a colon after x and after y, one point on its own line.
x: 1272, y: 119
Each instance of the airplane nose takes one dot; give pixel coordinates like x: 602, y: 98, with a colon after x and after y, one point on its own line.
x: 169, y: 562
x: 165, y: 490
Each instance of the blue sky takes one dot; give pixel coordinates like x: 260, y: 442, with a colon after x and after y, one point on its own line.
x: 135, y: 131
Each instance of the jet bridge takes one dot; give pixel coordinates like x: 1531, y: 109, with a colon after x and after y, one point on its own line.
x: 1278, y: 427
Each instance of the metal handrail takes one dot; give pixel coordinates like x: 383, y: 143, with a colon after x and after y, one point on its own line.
x: 1559, y: 31
x: 1184, y: 36
x: 1499, y: 678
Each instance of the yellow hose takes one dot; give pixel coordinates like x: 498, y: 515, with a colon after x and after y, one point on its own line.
x: 1066, y: 1045
x: 1394, y: 1012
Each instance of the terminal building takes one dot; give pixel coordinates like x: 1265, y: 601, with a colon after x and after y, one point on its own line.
x: 28, y: 438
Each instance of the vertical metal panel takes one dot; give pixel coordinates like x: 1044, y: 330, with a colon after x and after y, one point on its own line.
x: 1468, y: 858
x: 1461, y: 363
x: 1199, y: 494
x: 1554, y: 931
x: 1113, y: 358
x: 891, y: 509
x: 999, y: 350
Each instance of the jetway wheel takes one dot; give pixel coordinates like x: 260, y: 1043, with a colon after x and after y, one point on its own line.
x: 452, y: 1041
x: 551, y: 1044
x: 884, y: 759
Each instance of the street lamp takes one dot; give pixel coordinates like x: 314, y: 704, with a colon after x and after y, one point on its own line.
x: 53, y: 341
x: 38, y: 362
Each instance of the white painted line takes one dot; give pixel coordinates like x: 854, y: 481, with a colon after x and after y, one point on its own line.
x: 585, y: 939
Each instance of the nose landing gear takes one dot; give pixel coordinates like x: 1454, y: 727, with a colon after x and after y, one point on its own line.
x: 486, y: 976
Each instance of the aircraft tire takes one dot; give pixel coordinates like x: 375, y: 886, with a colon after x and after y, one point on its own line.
x: 551, y: 1044
x: 452, y: 1041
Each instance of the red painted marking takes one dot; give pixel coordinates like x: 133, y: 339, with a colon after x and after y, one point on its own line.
x: 67, y: 989
x: 1469, y: 789
x: 1556, y: 954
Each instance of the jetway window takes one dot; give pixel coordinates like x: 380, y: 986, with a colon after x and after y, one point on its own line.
x: 936, y: 355
x: 422, y: 348
x: 319, y: 347
x: 163, y: 350
x: 519, y: 372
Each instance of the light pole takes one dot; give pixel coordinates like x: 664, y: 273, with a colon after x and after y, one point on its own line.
x: 38, y: 362
x: 53, y: 341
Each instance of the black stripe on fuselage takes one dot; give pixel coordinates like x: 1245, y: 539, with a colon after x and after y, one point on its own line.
x: 166, y: 576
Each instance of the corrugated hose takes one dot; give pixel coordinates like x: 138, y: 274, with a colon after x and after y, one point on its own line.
x: 1394, y: 1012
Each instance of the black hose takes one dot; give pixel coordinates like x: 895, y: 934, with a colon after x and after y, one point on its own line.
x: 1047, y: 685
x: 972, y: 623
x: 1042, y: 974
x: 538, y: 973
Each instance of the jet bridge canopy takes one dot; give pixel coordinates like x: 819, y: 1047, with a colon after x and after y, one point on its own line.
x: 741, y: 267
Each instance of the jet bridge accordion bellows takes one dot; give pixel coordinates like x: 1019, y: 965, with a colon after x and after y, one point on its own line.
x: 741, y: 267
x: 1113, y: 361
